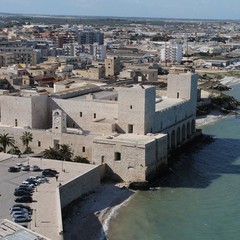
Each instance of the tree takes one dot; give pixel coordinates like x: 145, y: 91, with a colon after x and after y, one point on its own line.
x: 5, y: 141
x: 81, y: 159
x: 65, y: 152
x: 14, y: 150
x: 26, y: 139
x: 51, y: 153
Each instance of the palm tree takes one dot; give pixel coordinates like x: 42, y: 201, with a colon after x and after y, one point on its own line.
x: 81, y: 159
x: 51, y: 153
x: 65, y: 152
x: 26, y: 139
x: 5, y: 141
x: 14, y: 150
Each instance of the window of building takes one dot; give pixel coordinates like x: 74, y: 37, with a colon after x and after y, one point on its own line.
x: 83, y: 149
x: 16, y: 122
x: 39, y: 144
x: 130, y: 106
x: 80, y: 114
x: 177, y: 94
x: 102, y: 159
x: 117, y: 156
x: 130, y: 128
x: 94, y: 115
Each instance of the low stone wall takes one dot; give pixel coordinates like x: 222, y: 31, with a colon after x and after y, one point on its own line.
x: 83, y: 184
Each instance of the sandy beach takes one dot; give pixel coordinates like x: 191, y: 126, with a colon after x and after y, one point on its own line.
x: 89, y: 217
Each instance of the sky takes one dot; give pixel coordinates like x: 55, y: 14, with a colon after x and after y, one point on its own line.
x: 190, y: 9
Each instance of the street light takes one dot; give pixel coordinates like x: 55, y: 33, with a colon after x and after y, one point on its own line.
x: 35, y: 217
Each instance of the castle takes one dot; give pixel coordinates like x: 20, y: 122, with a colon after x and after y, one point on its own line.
x: 129, y: 129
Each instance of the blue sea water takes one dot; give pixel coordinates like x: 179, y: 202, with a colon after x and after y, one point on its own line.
x: 199, y: 200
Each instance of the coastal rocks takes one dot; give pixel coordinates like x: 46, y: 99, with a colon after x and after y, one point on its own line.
x: 220, y: 87
x: 139, y: 186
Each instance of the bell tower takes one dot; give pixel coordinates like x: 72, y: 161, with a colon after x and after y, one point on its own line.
x: 59, y: 121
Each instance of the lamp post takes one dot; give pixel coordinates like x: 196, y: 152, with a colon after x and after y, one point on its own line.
x: 35, y: 217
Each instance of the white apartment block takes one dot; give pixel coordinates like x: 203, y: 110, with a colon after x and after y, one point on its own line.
x: 98, y: 52
x: 130, y: 129
x: 171, y: 52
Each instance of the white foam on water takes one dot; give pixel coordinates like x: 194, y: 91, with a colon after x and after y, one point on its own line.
x: 112, y: 213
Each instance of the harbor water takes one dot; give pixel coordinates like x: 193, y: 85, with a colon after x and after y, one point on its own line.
x: 199, y: 199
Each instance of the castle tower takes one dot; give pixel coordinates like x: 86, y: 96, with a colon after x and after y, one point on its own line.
x: 184, y: 86
x: 136, y: 109
x: 59, y: 121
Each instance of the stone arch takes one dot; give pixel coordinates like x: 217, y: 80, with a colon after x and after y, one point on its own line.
x: 188, y: 130
x: 183, y: 132
x: 173, y: 141
x: 193, y: 126
x: 178, y: 135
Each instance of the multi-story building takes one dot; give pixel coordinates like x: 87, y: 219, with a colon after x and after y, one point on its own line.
x: 171, y: 52
x: 90, y: 37
x: 6, y: 59
x: 98, y: 52
x: 23, y: 55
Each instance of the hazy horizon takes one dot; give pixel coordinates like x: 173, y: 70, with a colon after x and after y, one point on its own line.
x: 173, y: 9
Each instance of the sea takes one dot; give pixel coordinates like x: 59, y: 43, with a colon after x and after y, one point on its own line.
x: 198, y: 200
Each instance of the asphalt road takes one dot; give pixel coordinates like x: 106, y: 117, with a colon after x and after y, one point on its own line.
x: 9, y: 181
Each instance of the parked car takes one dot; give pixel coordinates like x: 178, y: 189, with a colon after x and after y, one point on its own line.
x: 19, y: 193
x: 18, y: 209
x: 21, y: 219
x: 26, y: 183
x: 13, y: 169
x: 24, y: 199
x: 20, y: 213
x: 27, y: 186
x: 22, y: 206
x: 25, y: 168
x: 49, y: 172
x: 35, y: 168
x: 24, y: 189
x: 41, y: 179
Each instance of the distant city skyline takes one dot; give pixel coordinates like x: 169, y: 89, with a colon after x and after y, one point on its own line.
x: 188, y: 9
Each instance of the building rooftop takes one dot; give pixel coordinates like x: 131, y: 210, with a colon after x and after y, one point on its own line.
x: 167, y: 103
x: 12, y: 231
x: 129, y: 139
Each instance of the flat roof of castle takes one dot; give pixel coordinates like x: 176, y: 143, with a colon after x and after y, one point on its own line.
x: 167, y: 103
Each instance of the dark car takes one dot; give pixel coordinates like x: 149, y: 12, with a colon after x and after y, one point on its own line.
x: 28, y: 187
x: 13, y: 169
x: 49, y: 173
x: 24, y: 199
x: 19, y: 193
x: 22, y: 206
x: 24, y: 189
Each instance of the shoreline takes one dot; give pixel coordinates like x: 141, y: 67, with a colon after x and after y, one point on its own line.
x: 90, y: 216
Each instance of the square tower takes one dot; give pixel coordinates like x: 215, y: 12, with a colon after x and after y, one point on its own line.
x: 136, y: 109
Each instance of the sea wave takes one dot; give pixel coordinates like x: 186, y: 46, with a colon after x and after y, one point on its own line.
x: 110, y: 213
x: 230, y: 81
x: 209, y: 119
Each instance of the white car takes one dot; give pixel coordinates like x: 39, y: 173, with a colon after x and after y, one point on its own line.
x: 24, y: 214
x: 25, y: 168
x: 41, y: 179
x: 26, y: 183
x: 21, y: 219
x: 18, y: 209
x: 34, y: 168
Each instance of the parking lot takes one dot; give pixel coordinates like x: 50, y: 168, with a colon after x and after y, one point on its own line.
x: 9, y: 181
